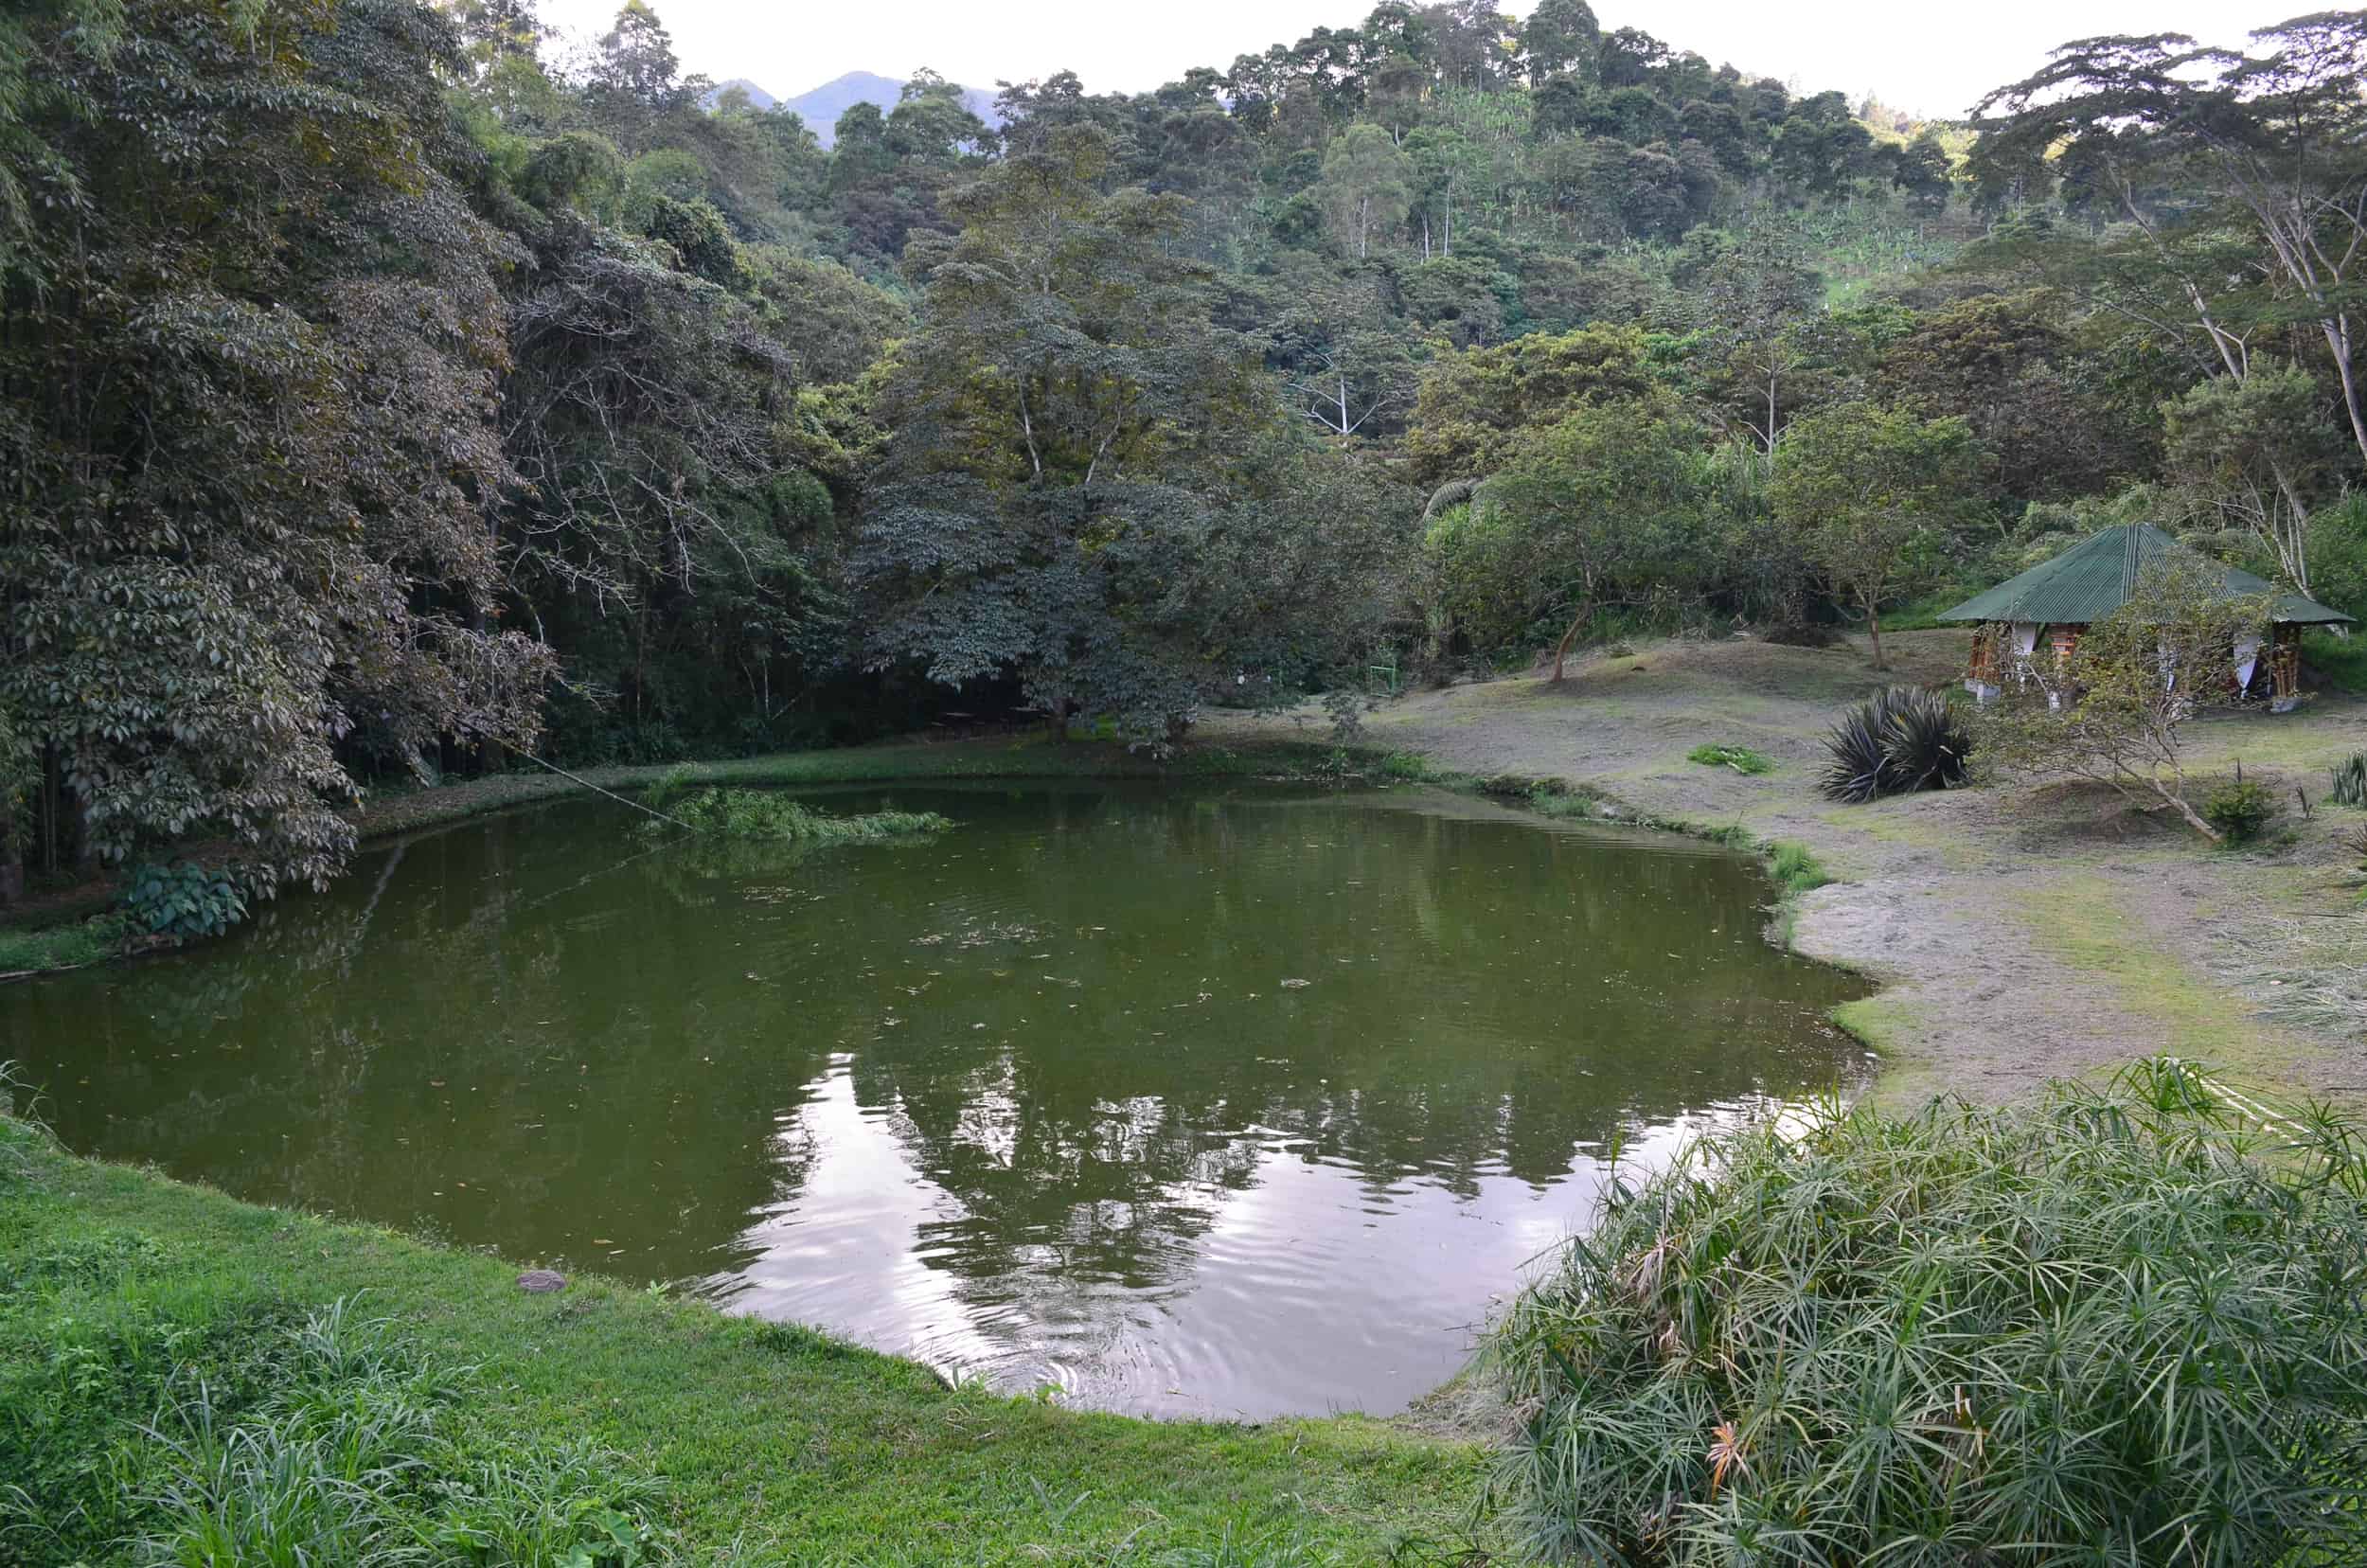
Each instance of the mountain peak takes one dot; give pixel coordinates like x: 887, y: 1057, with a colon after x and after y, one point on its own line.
x: 820, y: 107
x: 758, y: 99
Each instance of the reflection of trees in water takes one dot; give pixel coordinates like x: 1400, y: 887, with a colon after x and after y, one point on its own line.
x: 371, y: 1050
x: 616, y: 1030
x: 1050, y: 1176
x: 1109, y: 1147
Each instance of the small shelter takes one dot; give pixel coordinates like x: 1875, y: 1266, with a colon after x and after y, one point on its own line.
x: 2041, y: 614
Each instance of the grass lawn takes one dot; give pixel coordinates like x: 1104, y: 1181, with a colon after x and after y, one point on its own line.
x: 753, y: 1443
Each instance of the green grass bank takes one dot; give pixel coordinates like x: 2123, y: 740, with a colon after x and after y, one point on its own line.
x: 742, y: 1442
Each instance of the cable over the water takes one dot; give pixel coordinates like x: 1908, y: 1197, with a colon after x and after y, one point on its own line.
x: 579, y: 778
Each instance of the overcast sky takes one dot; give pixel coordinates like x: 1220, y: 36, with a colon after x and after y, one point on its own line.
x: 1930, y: 59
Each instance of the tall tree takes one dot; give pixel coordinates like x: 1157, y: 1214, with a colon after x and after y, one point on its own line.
x: 1758, y: 307
x: 1366, y: 187
x: 249, y: 432
x: 1591, y: 513
x: 637, y: 59
x: 2245, y: 449
x: 1086, y: 474
x: 1561, y: 36
x: 1870, y: 492
x: 2273, y: 140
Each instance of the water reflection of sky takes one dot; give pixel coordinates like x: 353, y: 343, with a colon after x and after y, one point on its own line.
x: 1232, y: 1103
x: 1249, y: 1324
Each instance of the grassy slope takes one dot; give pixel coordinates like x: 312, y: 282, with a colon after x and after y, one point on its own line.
x: 777, y: 1445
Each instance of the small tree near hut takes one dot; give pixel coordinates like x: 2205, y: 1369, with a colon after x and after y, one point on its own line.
x: 2115, y: 712
x: 1867, y: 491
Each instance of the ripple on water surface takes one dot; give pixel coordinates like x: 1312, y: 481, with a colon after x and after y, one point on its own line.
x: 1237, y: 1103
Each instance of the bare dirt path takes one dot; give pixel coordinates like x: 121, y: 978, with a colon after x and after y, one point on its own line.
x: 2019, y: 933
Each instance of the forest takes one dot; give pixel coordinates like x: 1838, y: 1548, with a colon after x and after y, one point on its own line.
x: 386, y: 393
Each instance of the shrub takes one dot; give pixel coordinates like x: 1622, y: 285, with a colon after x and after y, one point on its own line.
x: 1741, y: 758
x: 1900, y: 740
x: 2240, y: 808
x: 184, y: 899
x: 2350, y: 782
x: 2116, y: 1324
x: 2340, y: 662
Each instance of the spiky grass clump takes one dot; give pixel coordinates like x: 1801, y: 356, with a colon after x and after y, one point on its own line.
x: 1794, y: 868
x: 760, y: 814
x: 1900, y: 740
x: 2350, y: 781
x: 2103, y: 1326
x: 1741, y: 758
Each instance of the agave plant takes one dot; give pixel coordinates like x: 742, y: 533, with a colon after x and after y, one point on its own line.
x: 1924, y: 746
x: 1900, y: 739
x: 2350, y: 782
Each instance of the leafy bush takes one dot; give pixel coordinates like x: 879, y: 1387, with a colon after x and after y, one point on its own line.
x: 1900, y: 740
x: 1741, y: 758
x: 184, y: 899
x: 2340, y: 662
x: 761, y: 814
x: 2240, y: 808
x: 2103, y: 1326
x: 2350, y: 782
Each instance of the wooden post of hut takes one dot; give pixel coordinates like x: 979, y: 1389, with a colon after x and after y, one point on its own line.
x: 1985, y: 676
x: 2284, y: 667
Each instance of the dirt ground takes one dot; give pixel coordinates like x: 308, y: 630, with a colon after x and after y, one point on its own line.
x: 2019, y: 933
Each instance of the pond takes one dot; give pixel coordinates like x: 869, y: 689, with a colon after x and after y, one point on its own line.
x: 1226, y: 1104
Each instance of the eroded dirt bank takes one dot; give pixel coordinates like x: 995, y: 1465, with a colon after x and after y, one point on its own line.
x: 2019, y: 933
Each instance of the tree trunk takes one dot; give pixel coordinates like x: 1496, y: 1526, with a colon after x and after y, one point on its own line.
x: 2339, y: 343
x: 1562, y: 649
x: 2180, y: 806
x: 11, y: 857
x: 1874, y: 626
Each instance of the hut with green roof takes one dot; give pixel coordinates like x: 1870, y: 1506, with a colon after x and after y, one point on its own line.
x: 2041, y: 614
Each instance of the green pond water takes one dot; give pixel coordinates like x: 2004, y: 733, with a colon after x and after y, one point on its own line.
x: 1188, y: 1103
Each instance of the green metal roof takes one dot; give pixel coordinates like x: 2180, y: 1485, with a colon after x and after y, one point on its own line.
x: 2095, y: 577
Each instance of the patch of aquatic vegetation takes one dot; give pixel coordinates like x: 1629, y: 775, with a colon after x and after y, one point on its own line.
x: 758, y: 814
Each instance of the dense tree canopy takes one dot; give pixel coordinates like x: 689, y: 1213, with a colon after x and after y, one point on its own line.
x: 385, y: 390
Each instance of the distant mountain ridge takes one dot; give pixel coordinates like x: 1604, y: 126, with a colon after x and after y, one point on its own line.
x: 757, y: 98
x: 821, y: 107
